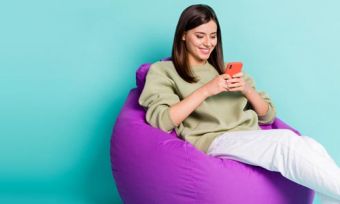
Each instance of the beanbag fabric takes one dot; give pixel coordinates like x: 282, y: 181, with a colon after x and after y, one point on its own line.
x: 152, y: 166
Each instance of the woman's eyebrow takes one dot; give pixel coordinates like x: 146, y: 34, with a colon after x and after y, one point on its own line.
x: 204, y: 32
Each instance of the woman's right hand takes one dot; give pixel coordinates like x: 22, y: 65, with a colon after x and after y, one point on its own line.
x: 216, y: 85
x: 181, y: 110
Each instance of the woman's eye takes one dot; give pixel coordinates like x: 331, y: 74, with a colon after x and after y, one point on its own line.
x: 213, y: 37
x: 199, y: 36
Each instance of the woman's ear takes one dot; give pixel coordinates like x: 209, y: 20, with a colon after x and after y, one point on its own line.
x: 183, y: 36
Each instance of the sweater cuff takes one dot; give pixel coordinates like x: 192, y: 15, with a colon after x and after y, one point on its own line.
x: 169, y: 125
x: 268, y: 118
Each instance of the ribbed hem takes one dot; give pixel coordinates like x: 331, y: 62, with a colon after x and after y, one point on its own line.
x: 268, y: 117
x: 169, y: 125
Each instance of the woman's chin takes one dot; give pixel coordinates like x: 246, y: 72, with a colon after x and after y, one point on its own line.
x: 204, y: 56
x: 201, y: 59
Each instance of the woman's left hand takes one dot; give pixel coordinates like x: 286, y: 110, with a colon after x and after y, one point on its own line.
x: 237, y: 83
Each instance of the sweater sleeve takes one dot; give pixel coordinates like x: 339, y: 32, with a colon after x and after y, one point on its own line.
x: 271, y: 113
x: 157, y: 97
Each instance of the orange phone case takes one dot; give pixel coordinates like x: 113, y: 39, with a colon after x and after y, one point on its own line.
x: 233, y: 68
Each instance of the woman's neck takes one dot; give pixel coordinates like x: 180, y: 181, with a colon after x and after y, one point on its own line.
x: 196, y: 62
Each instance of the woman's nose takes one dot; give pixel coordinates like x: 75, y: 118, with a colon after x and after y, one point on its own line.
x: 207, y: 42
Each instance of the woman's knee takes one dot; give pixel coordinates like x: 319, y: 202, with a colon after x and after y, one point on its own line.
x: 289, y: 132
x: 289, y: 137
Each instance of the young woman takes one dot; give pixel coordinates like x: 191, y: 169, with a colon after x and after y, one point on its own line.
x: 220, y: 114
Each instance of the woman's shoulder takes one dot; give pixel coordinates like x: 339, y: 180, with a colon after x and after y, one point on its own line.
x: 163, y: 64
x: 163, y: 67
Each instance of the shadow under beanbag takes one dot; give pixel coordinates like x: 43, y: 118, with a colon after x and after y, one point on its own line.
x: 152, y: 166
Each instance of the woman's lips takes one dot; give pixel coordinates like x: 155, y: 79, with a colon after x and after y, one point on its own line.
x: 205, y: 50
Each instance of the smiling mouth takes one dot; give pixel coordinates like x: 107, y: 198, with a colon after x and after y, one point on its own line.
x: 205, y: 50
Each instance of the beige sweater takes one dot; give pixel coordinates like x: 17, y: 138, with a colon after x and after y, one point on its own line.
x: 227, y: 111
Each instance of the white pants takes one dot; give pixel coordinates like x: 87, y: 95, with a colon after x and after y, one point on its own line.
x: 298, y: 158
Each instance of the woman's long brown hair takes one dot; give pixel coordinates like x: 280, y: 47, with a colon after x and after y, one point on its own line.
x: 190, y: 18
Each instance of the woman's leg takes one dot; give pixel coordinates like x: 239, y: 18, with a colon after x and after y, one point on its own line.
x: 317, y: 147
x: 298, y: 158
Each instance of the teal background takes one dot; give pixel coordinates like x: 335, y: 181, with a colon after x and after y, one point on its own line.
x: 66, y: 68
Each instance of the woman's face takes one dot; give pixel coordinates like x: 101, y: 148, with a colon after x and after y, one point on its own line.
x: 200, y: 42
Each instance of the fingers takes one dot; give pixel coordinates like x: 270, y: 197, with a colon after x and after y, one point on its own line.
x: 234, y: 80
x: 236, y: 83
x: 235, y: 86
x: 238, y: 75
x: 224, y: 84
x: 235, y: 89
x: 226, y: 76
x: 219, y: 84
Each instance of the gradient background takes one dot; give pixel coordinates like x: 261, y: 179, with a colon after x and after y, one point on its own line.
x: 66, y: 67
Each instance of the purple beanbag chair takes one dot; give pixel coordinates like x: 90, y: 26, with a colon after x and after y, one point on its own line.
x: 151, y: 166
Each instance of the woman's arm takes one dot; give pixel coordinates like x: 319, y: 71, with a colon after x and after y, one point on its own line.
x: 258, y: 103
x: 165, y: 110
x: 237, y: 83
x: 181, y: 110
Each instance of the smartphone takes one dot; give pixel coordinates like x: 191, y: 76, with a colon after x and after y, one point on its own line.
x: 233, y: 68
